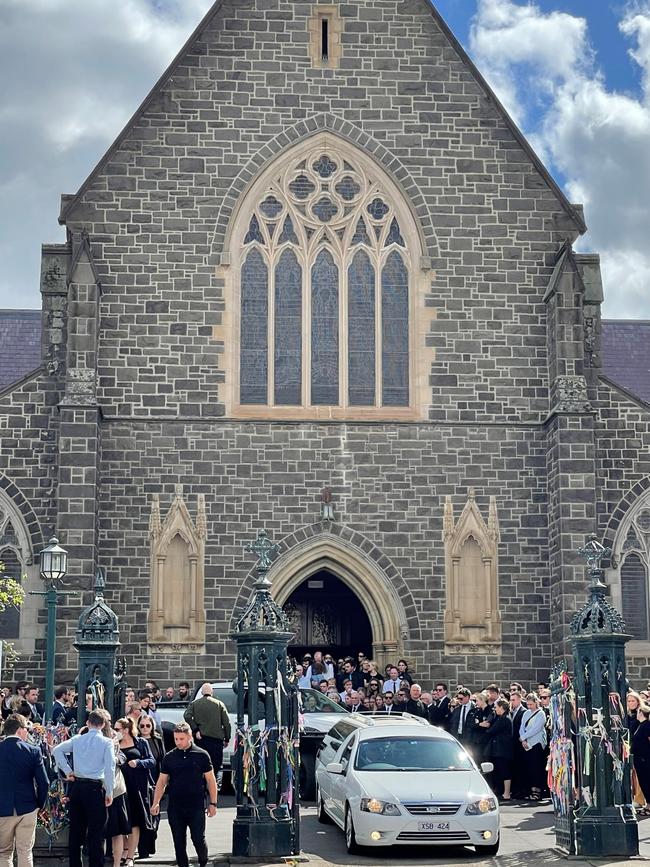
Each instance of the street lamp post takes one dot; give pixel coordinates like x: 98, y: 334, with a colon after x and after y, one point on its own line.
x: 54, y: 566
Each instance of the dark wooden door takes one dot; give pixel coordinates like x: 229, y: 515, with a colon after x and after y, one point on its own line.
x: 326, y: 614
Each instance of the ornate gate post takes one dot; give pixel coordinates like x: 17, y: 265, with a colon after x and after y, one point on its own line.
x: 97, y: 641
x: 265, y: 759
x: 605, y: 822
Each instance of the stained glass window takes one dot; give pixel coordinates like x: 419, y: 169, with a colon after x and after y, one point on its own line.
x: 288, y: 234
x: 394, y: 235
x: 360, y: 234
x: 634, y: 587
x: 288, y: 330
x: 10, y: 617
x: 254, y: 232
x: 253, y: 365
x: 325, y: 209
x: 324, y: 330
x: 395, y: 332
x: 361, y: 331
x: 332, y: 242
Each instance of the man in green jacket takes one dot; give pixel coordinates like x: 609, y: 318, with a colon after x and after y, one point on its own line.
x: 210, y: 724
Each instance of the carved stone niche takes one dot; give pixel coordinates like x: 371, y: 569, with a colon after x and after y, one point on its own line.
x: 472, y: 618
x: 176, y: 620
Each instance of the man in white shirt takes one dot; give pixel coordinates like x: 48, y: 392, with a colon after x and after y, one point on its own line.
x: 394, y: 682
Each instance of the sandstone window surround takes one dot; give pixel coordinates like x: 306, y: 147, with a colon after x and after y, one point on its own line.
x: 176, y: 620
x: 629, y: 580
x: 325, y: 293
x: 325, y: 28
x: 472, y: 617
x: 19, y: 626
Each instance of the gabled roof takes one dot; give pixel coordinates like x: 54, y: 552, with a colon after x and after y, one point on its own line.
x: 20, y: 344
x: 574, y: 212
x: 626, y: 355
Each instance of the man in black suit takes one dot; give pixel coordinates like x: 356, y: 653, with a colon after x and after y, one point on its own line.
x: 440, y: 710
x: 61, y: 705
x: 35, y: 707
x: 463, y: 718
x: 22, y: 793
x: 414, y: 705
x: 517, y: 710
x: 350, y: 672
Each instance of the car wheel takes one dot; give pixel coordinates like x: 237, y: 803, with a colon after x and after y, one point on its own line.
x: 323, y: 817
x: 350, y: 837
x: 488, y: 851
x: 307, y: 777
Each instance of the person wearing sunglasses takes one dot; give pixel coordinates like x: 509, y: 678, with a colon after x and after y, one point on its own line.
x: 148, y: 732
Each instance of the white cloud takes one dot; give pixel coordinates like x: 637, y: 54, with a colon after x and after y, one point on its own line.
x: 599, y: 140
x: 77, y: 70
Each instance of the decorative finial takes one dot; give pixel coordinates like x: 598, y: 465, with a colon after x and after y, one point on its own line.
x: 448, y: 516
x: 471, y: 494
x: 154, y: 519
x: 100, y: 582
x: 594, y: 552
x: 326, y: 509
x: 178, y: 491
x: 262, y: 547
x: 201, y: 522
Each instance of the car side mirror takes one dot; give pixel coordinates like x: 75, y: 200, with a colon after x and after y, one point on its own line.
x: 487, y: 767
x: 334, y: 768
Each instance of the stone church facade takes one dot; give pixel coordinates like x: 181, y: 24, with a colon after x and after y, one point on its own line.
x: 321, y: 285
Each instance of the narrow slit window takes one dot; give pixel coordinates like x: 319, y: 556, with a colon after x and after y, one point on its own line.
x: 325, y: 39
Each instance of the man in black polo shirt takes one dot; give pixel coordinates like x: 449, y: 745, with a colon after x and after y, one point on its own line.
x: 187, y: 770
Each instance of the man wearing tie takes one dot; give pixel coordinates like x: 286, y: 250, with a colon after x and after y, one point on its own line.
x: 463, y: 718
x: 22, y: 793
x: 388, y: 703
x: 36, y: 708
x: 440, y: 710
x: 393, y: 682
x: 91, y: 792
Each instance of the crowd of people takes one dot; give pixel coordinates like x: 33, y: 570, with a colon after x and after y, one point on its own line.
x: 508, y: 728
x: 116, y: 774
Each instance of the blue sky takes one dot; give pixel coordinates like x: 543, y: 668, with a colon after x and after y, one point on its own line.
x: 575, y: 75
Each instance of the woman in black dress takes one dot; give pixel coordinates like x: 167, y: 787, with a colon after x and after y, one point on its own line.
x: 633, y: 701
x: 148, y: 731
x: 499, y: 748
x: 641, y: 752
x: 137, y: 764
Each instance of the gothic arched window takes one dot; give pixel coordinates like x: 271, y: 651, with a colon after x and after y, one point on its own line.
x: 633, y: 554
x: 325, y: 270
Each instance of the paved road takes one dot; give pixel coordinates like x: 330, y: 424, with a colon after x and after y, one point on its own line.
x: 527, y: 841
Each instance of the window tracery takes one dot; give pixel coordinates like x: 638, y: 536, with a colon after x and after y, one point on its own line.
x: 632, y: 552
x: 16, y: 557
x: 325, y: 283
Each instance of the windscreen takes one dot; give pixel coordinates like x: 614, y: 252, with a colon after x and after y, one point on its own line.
x: 313, y: 701
x: 411, y: 754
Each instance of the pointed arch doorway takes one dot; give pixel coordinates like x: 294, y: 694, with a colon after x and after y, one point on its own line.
x: 325, y: 614
x: 370, y: 586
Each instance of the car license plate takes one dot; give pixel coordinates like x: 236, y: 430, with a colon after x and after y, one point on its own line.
x: 433, y: 826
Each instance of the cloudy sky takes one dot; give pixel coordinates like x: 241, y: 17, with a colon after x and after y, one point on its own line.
x: 575, y: 74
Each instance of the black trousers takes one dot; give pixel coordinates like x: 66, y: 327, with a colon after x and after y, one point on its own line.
x: 181, y: 818
x: 88, y: 816
x: 214, y: 748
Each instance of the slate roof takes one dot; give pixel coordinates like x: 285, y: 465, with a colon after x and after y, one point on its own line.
x: 20, y: 344
x: 626, y: 354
